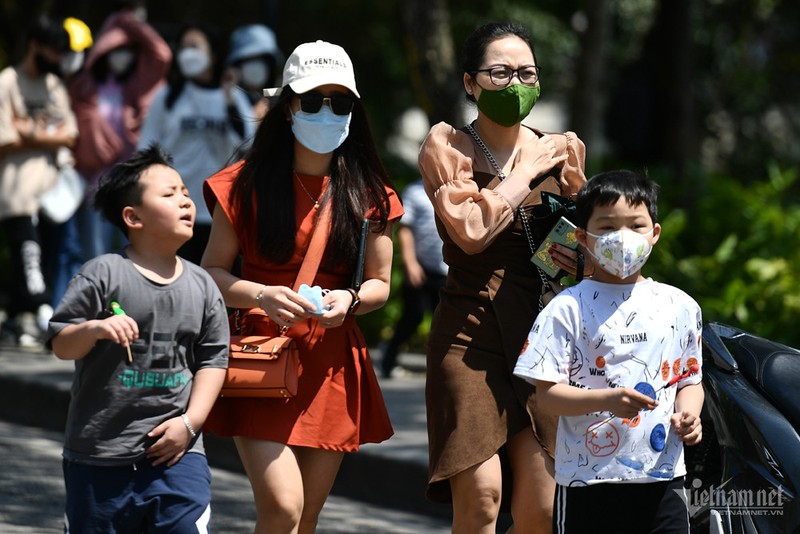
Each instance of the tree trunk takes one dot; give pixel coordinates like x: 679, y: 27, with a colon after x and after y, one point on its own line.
x: 589, y: 93
x: 434, y: 72
x: 671, y: 49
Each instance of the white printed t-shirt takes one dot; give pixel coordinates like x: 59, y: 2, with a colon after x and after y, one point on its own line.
x: 596, y: 335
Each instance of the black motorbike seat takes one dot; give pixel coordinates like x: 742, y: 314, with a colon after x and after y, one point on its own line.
x: 772, y: 368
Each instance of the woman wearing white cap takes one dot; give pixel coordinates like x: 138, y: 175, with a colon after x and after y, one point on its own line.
x: 312, y: 153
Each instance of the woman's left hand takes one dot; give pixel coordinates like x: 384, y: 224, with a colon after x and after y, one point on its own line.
x: 338, y: 303
x: 567, y: 259
x: 573, y: 177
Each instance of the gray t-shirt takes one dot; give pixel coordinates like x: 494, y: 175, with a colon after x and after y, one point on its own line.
x: 183, y: 328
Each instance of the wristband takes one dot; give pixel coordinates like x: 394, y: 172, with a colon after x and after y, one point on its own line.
x: 356, y: 301
x: 188, y: 425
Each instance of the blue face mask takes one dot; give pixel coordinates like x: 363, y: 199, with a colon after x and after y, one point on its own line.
x: 321, y: 132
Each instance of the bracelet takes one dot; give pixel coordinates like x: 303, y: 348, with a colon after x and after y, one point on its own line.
x: 188, y: 425
x: 260, y: 296
x: 356, y: 301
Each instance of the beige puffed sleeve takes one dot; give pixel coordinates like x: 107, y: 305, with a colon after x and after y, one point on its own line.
x: 473, y: 216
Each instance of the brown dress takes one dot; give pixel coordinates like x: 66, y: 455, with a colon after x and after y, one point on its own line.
x: 474, y: 403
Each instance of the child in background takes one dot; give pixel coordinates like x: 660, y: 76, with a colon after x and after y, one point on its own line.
x: 617, y: 357
x: 146, y: 376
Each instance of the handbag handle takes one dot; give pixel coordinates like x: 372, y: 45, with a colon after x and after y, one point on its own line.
x: 316, y: 247
x: 311, y: 261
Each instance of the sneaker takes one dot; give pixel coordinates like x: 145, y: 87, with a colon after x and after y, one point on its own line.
x: 29, y: 342
x: 26, y: 331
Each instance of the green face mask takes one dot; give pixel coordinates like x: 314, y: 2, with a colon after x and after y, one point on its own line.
x: 509, y: 105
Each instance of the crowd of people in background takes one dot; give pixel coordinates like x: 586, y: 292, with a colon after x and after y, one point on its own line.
x: 87, y: 98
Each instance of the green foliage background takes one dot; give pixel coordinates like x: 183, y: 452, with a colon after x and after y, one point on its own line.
x: 738, y: 255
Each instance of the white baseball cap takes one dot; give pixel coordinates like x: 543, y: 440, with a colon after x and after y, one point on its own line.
x: 315, y: 64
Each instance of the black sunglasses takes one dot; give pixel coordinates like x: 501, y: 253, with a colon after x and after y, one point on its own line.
x: 340, y: 104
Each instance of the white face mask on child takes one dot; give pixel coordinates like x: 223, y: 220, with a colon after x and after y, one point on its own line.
x: 622, y: 252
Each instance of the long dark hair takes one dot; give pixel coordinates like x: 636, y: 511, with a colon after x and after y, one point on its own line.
x: 474, y: 49
x: 263, y: 192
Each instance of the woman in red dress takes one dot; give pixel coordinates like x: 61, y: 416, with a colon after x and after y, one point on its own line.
x: 313, y: 148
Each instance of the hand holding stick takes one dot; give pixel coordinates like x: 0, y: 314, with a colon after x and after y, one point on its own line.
x: 117, y: 309
x: 693, y: 370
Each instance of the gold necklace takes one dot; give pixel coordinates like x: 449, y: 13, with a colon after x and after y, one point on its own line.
x: 314, y: 200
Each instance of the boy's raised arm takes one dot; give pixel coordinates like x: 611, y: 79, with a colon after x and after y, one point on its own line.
x: 76, y: 340
x: 563, y: 399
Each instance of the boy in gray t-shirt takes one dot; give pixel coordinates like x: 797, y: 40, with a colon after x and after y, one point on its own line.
x: 149, y: 335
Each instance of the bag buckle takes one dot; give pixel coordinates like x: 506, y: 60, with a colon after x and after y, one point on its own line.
x: 250, y: 348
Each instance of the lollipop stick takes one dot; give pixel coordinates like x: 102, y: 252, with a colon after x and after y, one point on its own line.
x: 117, y: 309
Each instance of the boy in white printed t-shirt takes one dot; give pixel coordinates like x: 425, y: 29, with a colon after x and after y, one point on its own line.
x: 617, y: 357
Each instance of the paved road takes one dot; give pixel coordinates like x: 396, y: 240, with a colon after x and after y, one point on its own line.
x: 32, y: 495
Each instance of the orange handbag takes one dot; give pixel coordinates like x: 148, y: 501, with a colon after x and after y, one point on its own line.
x: 262, y: 366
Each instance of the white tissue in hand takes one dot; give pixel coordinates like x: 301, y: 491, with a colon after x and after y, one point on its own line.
x: 314, y: 294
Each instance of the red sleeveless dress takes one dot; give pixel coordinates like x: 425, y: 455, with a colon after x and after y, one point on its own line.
x: 339, y: 404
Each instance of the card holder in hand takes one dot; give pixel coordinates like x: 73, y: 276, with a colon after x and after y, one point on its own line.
x: 563, y: 233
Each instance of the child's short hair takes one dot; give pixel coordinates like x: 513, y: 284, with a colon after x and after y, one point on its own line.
x: 120, y: 186
x: 606, y: 188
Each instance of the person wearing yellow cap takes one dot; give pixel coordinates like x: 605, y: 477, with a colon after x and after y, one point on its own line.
x: 61, y: 250
x: 80, y: 39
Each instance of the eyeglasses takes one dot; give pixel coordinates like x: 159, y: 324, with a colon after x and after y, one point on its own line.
x: 501, y: 76
x: 312, y: 102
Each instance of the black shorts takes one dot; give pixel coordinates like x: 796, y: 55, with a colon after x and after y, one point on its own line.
x: 611, y: 508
